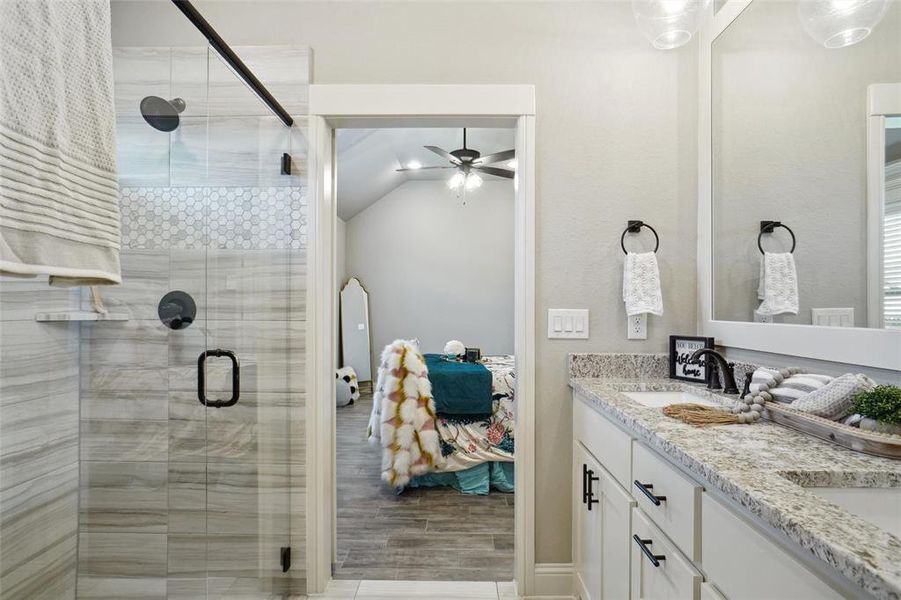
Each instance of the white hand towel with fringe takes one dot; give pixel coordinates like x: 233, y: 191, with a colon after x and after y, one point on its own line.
x: 778, y: 287
x: 641, y: 284
x: 59, y: 195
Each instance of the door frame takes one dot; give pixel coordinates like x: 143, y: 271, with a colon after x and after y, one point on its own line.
x: 343, y: 106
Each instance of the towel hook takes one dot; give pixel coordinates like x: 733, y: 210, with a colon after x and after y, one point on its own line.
x: 635, y: 227
x: 768, y: 227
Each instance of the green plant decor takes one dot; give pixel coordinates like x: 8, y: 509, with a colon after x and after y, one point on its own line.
x: 882, y: 403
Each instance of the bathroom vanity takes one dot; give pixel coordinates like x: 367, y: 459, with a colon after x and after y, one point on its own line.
x: 662, y: 509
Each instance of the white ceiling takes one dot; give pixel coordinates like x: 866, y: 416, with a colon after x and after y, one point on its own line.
x: 368, y: 159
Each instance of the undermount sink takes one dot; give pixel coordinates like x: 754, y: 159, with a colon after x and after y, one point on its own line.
x: 879, y: 506
x: 661, y: 399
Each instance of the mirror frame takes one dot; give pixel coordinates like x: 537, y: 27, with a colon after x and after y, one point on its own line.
x: 880, y: 348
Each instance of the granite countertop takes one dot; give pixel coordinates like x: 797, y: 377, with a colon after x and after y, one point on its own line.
x: 764, y: 468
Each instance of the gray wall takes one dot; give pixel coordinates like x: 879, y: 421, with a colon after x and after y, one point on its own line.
x: 790, y: 134
x: 39, y: 372
x: 436, y: 269
x: 616, y: 140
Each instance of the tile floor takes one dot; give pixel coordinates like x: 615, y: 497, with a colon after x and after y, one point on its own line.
x: 419, y: 590
x: 421, y: 534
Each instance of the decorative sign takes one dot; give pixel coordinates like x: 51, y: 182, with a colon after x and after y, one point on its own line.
x: 680, y: 350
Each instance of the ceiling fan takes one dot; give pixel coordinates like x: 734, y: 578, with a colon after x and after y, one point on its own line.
x: 469, y: 163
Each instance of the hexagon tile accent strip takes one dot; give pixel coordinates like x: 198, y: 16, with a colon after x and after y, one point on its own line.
x: 243, y: 218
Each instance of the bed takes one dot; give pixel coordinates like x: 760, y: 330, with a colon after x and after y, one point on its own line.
x: 478, y: 451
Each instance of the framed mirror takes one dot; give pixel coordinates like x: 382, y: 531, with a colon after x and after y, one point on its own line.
x: 799, y: 221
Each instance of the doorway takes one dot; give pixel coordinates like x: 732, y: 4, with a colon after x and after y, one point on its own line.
x: 335, y: 107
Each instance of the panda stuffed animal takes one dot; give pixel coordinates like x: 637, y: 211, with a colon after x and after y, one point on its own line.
x: 348, y: 390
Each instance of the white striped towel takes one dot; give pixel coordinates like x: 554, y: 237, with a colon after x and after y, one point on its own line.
x: 59, y: 196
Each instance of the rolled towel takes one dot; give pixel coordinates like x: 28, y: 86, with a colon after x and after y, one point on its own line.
x: 641, y: 284
x: 835, y: 399
x: 778, y: 287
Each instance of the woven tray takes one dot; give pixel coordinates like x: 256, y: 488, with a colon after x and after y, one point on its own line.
x: 853, y: 438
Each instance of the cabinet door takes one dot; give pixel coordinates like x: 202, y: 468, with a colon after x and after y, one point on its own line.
x: 659, y: 570
x: 586, y: 524
x: 735, y: 554
x: 616, y: 509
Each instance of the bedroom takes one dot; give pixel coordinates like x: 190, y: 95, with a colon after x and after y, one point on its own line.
x: 425, y: 271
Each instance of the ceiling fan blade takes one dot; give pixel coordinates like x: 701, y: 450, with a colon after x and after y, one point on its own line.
x: 443, y: 154
x: 497, y: 172
x: 495, y: 158
x: 423, y: 168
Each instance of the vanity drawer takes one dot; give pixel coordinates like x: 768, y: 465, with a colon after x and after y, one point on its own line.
x: 608, y: 443
x: 659, y: 571
x: 679, y: 514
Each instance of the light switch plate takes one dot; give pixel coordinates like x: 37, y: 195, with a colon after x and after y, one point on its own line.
x: 567, y: 323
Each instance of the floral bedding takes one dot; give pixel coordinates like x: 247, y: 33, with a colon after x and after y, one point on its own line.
x: 467, y: 443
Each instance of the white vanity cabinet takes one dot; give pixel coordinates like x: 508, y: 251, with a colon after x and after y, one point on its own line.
x: 602, y: 508
x: 745, y: 564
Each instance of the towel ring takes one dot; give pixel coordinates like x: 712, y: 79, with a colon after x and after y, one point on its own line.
x: 768, y: 227
x: 635, y: 227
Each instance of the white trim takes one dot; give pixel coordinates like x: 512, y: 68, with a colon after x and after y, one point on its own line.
x: 883, y: 99
x: 553, y: 580
x: 398, y: 105
x: 879, y: 348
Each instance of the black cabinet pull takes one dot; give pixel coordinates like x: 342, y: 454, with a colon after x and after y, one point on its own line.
x: 590, y: 499
x: 643, y: 544
x: 584, y: 483
x: 645, y: 489
x: 201, y: 379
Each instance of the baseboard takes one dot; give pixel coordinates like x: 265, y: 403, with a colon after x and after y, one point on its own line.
x: 553, y: 581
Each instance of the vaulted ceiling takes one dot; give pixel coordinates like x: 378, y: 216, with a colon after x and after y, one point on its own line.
x: 368, y: 159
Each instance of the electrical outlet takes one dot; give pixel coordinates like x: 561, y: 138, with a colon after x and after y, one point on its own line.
x: 637, y: 327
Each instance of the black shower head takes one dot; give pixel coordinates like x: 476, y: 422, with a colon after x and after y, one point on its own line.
x: 162, y: 114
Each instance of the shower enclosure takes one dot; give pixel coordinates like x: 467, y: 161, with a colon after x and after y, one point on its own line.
x: 149, y: 450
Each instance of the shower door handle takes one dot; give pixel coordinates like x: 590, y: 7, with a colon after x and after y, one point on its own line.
x: 201, y: 379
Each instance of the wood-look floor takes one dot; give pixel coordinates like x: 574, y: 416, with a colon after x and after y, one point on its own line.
x: 422, y: 534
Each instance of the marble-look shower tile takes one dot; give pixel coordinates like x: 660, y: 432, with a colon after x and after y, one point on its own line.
x: 126, y: 343
x: 144, y: 441
x: 37, y: 516
x: 21, y: 299
x: 129, y: 406
x: 190, y: 72
x: 145, y: 279
x: 122, y: 554
x: 261, y: 427
x: 284, y: 70
x: 124, y: 379
x: 187, y: 497
x: 142, y: 153
x: 122, y: 588
x: 217, y: 151
x: 37, y: 360
x: 124, y: 497
x: 249, y: 499
x: 49, y: 575
x: 139, y: 72
x: 37, y: 437
x: 227, y: 555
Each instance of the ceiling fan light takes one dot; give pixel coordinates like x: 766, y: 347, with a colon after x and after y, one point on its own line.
x: 840, y: 23
x: 668, y: 24
x: 457, y: 180
x: 414, y: 164
x: 473, y: 182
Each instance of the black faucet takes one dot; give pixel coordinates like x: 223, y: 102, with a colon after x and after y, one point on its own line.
x: 726, y: 368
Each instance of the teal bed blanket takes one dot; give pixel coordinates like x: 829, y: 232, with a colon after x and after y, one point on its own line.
x: 459, y: 389
x: 474, y: 480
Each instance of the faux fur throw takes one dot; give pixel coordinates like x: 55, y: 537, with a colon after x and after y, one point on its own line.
x: 403, y: 415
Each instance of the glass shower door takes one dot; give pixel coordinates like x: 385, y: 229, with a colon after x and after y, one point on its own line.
x: 251, y: 369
